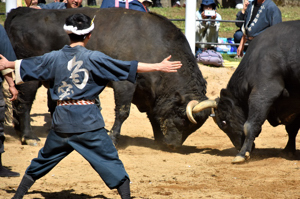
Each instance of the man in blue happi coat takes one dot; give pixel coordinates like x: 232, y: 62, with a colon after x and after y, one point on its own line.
x: 133, y: 4
x: 259, y: 15
x: 79, y: 76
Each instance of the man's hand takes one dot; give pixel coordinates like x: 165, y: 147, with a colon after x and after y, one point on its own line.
x: 14, y: 92
x: 170, y: 66
x: 164, y: 66
x: 245, y: 5
x: 239, y: 50
x: 4, y: 63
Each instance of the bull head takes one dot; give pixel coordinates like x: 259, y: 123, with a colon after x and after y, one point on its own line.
x: 223, y: 118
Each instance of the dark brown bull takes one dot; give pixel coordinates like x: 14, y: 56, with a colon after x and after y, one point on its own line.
x: 265, y: 86
x: 126, y: 35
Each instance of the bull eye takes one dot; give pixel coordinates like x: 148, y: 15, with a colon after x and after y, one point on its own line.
x: 224, y: 123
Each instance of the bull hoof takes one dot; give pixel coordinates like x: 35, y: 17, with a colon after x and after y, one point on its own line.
x: 113, y: 138
x: 30, y: 142
x: 238, y: 160
x: 289, y: 154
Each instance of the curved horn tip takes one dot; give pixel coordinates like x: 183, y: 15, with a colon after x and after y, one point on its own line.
x: 189, y: 110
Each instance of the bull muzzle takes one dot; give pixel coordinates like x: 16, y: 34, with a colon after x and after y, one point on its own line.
x: 195, y: 106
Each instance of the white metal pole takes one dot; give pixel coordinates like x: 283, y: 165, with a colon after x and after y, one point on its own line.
x: 10, y: 4
x: 190, y: 23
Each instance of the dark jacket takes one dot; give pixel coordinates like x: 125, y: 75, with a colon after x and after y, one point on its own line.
x: 134, y: 5
x: 267, y: 15
x: 240, y: 16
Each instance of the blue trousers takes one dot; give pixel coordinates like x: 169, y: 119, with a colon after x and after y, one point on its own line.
x: 95, y: 146
x: 238, y: 36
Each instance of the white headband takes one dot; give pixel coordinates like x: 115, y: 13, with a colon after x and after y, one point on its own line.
x: 72, y: 29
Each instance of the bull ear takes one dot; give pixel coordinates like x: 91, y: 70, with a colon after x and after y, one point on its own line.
x: 224, y: 93
x: 227, y: 97
x: 180, y: 99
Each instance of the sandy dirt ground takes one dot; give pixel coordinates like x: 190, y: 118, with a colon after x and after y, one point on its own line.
x: 200, y: 169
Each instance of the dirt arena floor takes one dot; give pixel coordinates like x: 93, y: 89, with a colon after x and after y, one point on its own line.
x: 200, y: 169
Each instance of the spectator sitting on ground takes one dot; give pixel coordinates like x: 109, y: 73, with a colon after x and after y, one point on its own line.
x: 240, y: 16
x: 207, y: 31
x: 146, y: 4
x: 176, y: 4
x: 156, y: 3
x: 259, y: 15
x: 239, y: 4
x: 58, y: 5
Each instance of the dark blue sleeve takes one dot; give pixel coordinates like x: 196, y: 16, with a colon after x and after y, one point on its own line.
x: 240, y: 16
x: 134, y: 5
x: 113, y: 69
x: 6, y: 48
x: 276, y: 17
x: 37, y: 68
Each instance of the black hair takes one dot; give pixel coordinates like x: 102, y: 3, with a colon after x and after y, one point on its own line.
x: 81, y: 21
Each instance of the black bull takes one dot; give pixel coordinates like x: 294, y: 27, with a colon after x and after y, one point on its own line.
x: 125, y: 35
x: 265, y: 86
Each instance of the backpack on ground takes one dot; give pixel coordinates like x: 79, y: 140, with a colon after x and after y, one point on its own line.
x: 210, y: 57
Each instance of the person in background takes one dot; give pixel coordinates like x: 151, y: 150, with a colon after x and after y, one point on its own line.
x: 259, y: 15
x: 156, y: 3
x: 146, y: 4
x: 7, y: 50
x: 239, y: 4
x: 79, y: 75
x: 240, y: 16
x: 175, y: 4
x: 58, y: 5
x: 207, y: 31
x: 133, y: 4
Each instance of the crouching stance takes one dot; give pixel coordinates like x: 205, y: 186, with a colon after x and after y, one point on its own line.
x: 78, y: 76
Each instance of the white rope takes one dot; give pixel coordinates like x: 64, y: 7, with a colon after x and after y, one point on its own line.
x: 72, y: 29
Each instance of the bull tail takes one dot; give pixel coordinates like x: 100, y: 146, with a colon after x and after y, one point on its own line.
x: 8, y: 108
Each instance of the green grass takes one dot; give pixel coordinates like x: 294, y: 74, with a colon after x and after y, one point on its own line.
x: 2, y: 10
x: 227, y: 29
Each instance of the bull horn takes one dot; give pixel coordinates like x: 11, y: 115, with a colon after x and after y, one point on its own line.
x: 204, y: 105
x: 195, y: 107
x: 189, y: 110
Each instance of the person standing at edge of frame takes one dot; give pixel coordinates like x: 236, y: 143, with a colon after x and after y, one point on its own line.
x: 79, y: 75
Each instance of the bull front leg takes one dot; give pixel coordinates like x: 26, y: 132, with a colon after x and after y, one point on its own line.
x: 22, y: 107
x: 123, y: 93
x: 259, y: 102
x: 251, y: 131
